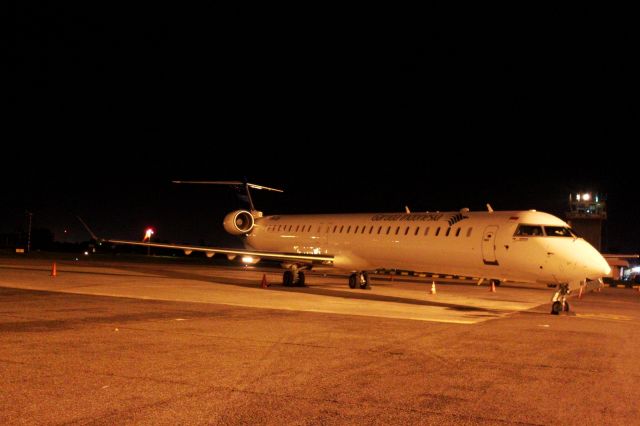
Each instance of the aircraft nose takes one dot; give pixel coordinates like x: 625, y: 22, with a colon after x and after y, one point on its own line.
x: 596, y: 265
x: 600, y: 267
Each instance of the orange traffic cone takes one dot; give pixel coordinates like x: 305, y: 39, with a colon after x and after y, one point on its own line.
x: 54, y: 272
x: 493, y: 287
x: 433, y: 287
x: 264, y: 283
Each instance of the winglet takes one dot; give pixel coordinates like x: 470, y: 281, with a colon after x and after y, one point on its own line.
x: 489, y: 208
x: 88, y: 229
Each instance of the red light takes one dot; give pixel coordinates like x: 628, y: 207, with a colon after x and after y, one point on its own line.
x: 148, y: 233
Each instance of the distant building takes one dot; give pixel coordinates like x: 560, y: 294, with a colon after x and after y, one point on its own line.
x: 11, y: 240
x: 586, y: 214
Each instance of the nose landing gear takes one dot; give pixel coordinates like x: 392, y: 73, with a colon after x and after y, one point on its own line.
x: 360, y: 279
x: 559, y: 299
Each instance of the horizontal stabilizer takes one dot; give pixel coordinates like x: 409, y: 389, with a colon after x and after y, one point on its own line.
x: 227, y: 182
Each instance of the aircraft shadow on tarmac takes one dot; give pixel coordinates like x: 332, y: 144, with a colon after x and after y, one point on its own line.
x: 363, y: 295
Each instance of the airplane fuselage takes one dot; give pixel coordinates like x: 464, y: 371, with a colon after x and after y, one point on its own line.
x: 502, y: 245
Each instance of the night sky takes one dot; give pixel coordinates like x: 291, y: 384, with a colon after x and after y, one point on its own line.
x: 347, y: 111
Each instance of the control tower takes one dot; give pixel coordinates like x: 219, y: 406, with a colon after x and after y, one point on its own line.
x: 586, y: 213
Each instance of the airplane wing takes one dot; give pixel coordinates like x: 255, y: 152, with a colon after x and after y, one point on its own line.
x: 210, y: 251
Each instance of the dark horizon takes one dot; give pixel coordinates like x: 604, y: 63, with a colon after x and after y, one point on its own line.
x: 121, y: 205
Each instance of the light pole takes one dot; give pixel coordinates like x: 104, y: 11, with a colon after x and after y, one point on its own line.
x: 147, y: 237
x: 29, y: 232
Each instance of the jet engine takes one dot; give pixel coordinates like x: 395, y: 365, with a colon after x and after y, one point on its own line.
x: 238, y: 222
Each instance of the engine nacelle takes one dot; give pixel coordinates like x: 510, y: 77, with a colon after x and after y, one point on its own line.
x: 238, y: 222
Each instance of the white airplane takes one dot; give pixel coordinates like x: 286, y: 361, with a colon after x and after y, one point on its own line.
x: 522, y: 246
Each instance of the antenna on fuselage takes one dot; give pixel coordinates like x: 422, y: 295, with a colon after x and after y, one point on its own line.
x: 489, y: 208
x: 235, y: 183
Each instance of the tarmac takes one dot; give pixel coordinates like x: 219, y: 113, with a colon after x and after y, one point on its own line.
x: 161, y: 342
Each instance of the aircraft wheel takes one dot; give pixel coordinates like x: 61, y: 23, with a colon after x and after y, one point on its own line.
x: 300, y: 280
x: 287, y: 278
x: 364, y: 280
x: 566, y: 307
x: 497, y: 283
x: 352, y: 280
x: 556, y: 308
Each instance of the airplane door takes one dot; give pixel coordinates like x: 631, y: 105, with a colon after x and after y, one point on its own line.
x: 489, y: 245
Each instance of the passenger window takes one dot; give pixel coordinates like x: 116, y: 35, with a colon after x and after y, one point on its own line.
x: 528, y: 231
x: 448, y: 231
x: 379, y: 229
x: 406, y: 231
x: 348, y: 229
x: 469, y: 231
x: 356, y: 231
x: 388, y: 230
x: 426, y: 231
x: 417, y: 231
x: 364, y: 227
x: 335, y: 228
x: 397, y: 230
x: 437, y: 231
x: 341, y: 229
x: 458, y: 232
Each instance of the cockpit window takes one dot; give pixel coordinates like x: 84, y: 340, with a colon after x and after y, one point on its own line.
x: 528, y: 231
x: 558, y: 231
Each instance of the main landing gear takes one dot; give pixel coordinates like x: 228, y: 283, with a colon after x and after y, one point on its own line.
x: 359, y: 279
x: 293, y: 277
x: 559, y: 299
